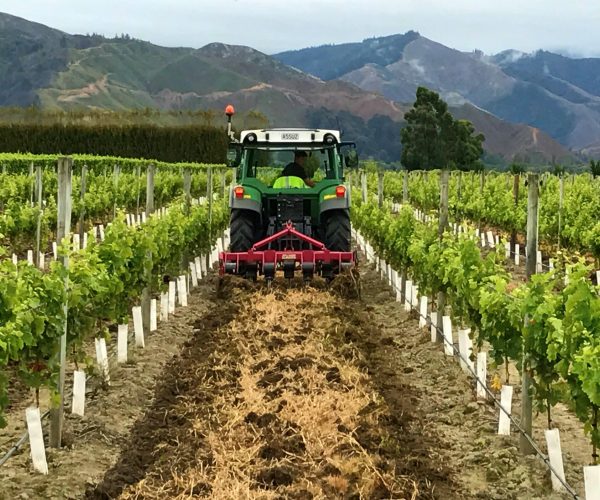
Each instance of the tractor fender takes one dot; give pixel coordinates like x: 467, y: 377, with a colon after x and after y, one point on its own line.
x: 244, y: 203
x: 334, y: 204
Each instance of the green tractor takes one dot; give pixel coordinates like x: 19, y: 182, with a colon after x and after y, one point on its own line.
x: 290, y: 209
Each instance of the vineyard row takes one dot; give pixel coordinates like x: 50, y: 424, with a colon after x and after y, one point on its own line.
x: 87, y: 290
x: 569, y: 207
x: 547, y: 328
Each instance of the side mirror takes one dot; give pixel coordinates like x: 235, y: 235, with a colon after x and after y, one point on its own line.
x: 352, y: 159
x: 234, y: 156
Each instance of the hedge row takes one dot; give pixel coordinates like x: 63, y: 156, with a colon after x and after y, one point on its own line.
x: 19, y: 163
x: 170, y: 144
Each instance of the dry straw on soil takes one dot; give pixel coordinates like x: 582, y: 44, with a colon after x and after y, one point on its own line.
x: 292, y: 414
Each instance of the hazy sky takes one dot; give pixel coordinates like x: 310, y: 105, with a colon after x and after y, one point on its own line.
x: 276, y: 25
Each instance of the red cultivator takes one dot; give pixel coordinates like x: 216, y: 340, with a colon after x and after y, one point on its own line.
x: 261, y: 259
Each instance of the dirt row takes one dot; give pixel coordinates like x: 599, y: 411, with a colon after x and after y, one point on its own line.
x: 93, y: 443
x: 274, y: 404
x: 286, y: 393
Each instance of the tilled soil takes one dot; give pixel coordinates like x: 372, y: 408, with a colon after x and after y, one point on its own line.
x: 294, y: 393
x: 275, y: 404
x: 94, y: 442
x: 456, y: 429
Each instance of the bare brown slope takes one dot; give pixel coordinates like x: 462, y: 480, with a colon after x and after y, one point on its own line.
x: 282, y: 93
x: 512, y: 140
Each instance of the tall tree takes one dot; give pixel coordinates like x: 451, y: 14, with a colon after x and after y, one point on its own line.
x: 465, y: 148
x: 432, y: 138
x: 422, y: 137
x: 595, y: 168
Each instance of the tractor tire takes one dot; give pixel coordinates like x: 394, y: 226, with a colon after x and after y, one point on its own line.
x: 244, y: 230
x: 336, y: 232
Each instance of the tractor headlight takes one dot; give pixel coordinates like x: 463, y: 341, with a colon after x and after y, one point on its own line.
x: 250, y: 138
x: 329, y: 139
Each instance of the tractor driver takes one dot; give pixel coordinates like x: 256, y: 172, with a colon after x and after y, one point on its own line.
x: 296, y: 168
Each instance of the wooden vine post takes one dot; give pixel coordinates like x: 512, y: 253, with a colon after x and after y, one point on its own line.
x: 533, y: 193
x: 2, y: 200
x: 403, y: 273
x: 187, y: 189
x: 481, y: 191
x: 63, y: 230
x: 443, y: 226
x: 146, y: 292
x: 348, y: 183
x: 561, y: 194
x: 223, y: 182
x: 82, y: 198
x: 365, y: 193
x: 40, y: 204
x: 116, y: 171
x: 513, y: 234
x: 138, y: 176
x: 32, y: 188
x: 209, y: 200
x: 150, y: 171
x: 380, y: 188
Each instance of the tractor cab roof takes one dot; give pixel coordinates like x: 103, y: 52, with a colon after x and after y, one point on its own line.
x: 290, y: 137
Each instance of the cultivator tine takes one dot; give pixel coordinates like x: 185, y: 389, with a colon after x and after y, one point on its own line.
x: 267, y: 261
x: 269, y: 270
x: 289, y: 268
x: 308, y: 271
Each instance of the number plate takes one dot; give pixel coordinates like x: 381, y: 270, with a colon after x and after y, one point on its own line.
x: 288, y: 256
x: 290, y: 136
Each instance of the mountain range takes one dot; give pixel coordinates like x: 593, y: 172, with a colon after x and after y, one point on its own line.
x: 538, y: 107
x: 550, y: 92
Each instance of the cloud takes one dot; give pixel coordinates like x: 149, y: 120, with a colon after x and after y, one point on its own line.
x: 276, y: 25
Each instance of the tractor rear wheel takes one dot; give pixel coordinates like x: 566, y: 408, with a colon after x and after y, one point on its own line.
x: 336, y: 231
x: 244, y: 230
